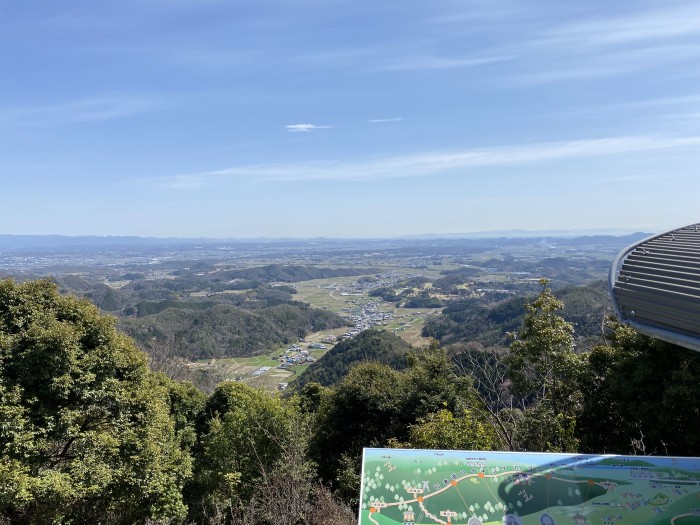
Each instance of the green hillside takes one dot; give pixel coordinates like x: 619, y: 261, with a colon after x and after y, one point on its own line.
x: 468, y: 320
x: 371, y: 345
x: 224, y: 330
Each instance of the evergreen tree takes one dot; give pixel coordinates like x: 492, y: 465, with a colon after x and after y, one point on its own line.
x: 641, y: 396
x: 251, y: 444
x: 86, y: 432
x: 544, y: 369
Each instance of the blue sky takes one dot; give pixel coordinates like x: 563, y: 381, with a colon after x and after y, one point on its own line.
x: 280, y: 118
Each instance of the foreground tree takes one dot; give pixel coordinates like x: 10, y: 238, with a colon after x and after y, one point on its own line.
x: 251, y: 459
x: 641, y: 397
x: 444, y: 430
x: 86, y: 435
x: 376, y: 406
x: 546, y: 372
x: 497, y: 403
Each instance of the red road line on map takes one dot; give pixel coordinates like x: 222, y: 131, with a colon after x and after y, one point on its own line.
x: 447, y: 487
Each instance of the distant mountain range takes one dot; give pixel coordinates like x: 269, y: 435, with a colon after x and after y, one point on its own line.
x: 62, y: 241
x: 527, y: 234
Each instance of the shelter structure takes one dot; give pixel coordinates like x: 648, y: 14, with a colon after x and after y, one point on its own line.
x: 655, y: 286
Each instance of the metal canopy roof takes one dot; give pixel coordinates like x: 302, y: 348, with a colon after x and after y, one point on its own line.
x: 655, y: 286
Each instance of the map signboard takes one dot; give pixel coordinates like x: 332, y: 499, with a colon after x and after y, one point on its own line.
x: 421, y: 487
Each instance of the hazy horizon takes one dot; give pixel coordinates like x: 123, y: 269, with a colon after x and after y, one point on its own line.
x: 493, y: 234
x: 340, y: 119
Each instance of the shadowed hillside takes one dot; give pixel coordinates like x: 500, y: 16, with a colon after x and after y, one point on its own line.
x: 371, y: 345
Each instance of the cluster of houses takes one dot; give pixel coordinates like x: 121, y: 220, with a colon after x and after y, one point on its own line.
x: 365, y: 316
x: 296, y: 355
x: 362, y: 286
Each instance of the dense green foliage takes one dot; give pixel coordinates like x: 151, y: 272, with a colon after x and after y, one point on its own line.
x: 146, y: 308
x: 256, y: 298
x: 387, y: 293
x: 371, y: 345
x: 90, y: 435
x: 443, y: 430
x: 423, y: 301
x: 469, y: 320
x: 641, y: 394
x: 226, y: 330
x: 86, y: 433
x: 541, y: 356
x: 375, y: 405
x: 244, y: 433
x: 631, y: 394
x: 197, y: 315
x: 545, y: 370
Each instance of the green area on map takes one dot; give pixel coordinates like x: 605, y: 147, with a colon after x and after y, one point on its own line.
x: 427, y: 487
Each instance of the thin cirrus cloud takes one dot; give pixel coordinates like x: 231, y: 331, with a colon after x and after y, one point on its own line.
x: 86, y: 110
x: 651, y: 25
x: 603, y: 47
x: 614, y: 62
x: 431, y: 163
x: 682, y: 104
x: 609, y: 63
x: 383, y: 120
x: 304, y: 128
x: 431, y: 62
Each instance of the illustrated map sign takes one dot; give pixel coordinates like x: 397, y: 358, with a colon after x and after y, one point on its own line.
x: 427, y: 487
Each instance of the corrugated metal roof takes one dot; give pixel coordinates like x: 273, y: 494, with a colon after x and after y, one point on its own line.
x: 655, y: 286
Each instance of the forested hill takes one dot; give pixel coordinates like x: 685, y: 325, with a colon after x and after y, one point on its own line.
x: 584, y: 306
x: 371, y: 345
x: 176, y: 283
x: 224, y: 330
x: 292, y: 273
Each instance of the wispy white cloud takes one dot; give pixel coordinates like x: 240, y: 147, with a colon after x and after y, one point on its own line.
x: 432, y: 62
x: 85, y: 110
x: 681, y: 122
x: 668, y: 22
x: 610, y: 46
x: 667, y: 101
x: 611, y: 63
x: 653, y: 106
x: 431, y: 163
x: 304, y: 128
x: 381, y: 120
x: 628, y: 179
